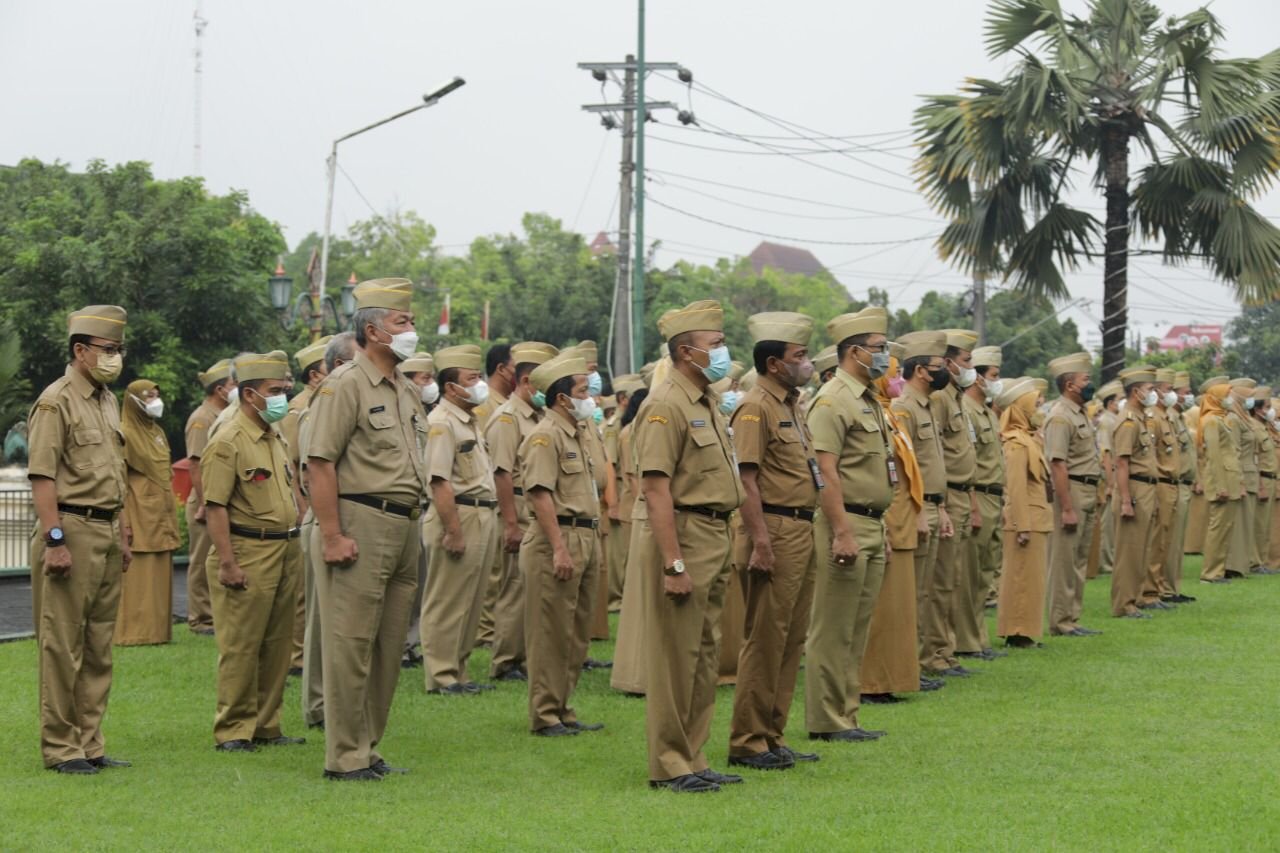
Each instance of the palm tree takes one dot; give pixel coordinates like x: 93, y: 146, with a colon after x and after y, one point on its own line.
x: 997, y: 158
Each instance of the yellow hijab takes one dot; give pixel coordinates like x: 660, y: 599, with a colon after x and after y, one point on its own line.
x: 146, y: 450
x: 901, y: 442
x: 1015, y: 426
x: 1211, y: 407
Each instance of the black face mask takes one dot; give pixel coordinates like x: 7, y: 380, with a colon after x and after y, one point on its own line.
x: 939, y: 378
x: 1086, y: 393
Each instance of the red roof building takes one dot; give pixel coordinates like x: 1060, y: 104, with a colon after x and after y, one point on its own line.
x: 1186, y: 337
x: 786, y: 259
x: 602, y: 245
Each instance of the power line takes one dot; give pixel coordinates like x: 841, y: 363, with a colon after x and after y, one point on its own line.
x: 714, y: 130
x: 785, y: 213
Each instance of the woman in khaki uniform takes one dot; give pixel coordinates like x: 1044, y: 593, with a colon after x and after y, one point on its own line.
x: 1027, y: 520
x: 146, y: 599
x: 1221, y: 471
x: 1266, y: 478
x: 1271, y: 556
x: 628, y: 654
x: 1240, y: 556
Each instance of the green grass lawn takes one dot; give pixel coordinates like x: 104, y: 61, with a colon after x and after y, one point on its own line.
x: 1159, y: 734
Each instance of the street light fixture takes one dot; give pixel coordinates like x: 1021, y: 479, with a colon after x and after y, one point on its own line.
x: 349, y: 296
x: 280, y: 288
x: 307, y: 306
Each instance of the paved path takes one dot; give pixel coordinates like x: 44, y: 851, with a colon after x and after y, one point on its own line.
x: 15, y: 603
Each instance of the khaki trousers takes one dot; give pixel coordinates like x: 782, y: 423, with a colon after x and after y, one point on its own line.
x: 199, y: 610
x: 1069, y: 559
x: 146, y: 600
x: 454, y: 596
x: 413, y: 637
x: 1262, y: 528
x: 620, y: 537
x: 1273, y: 547
x: 733, y: 617
x: 509, y: 613
x: 985, y: 547
x: 255, y: 636
x: 1107, y: 561
x: 598, y: 629
x: 969, y: 605
x: 491, y: 586
x: 1240, y: 550
x: 1223, y: 518
x: 948, y: 570
x: 777, y: 617
x: 364, y: 615
x: 628, y: 673
x: 925, y: 558
x: 556, y: 619
x: 312, y: 671
x: 844, y: 599
x: 1135, y: 537
x: 891, y: 662
x: 1095, y: 544
x: 681, y: 641
x: 1197, y: 522
x: 1154, y: 586
x: 1177, y: 539
x: 75, y: 618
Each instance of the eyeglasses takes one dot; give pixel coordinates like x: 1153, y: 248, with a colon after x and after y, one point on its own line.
x: 112, y: 349
x: 873, y: 347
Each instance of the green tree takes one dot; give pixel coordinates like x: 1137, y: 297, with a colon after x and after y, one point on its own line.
x: 1255, y: 339
x: 997, y: 158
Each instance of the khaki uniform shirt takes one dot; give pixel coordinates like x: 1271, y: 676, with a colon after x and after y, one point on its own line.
x: 289, y: 423
x: 554, y: 457
x: 1266, y: 457
x: 626, y: 463
x: 1247, y: 446
x: 680, y: 433
x: 74, y: 439
x: 1168, y: 458
x: 847, y: 421
x: 371, y: 428
x: 456, y: 452
x: 510, y: 425
x: 1221, y: 468
x: 1069, y: 437
x: 956, y: 434
x: 1107, y: 423
x: 1187, y: 454
x: 594, y: 445
x: 770, y: 432
x: 486, y: 409
x: 612, y: 447
x: 198, y: 425
x: 988, y: 455
x: 1133, y: 438
x: 223, y: 418
x: 916, y: 419
x: 246, y: 469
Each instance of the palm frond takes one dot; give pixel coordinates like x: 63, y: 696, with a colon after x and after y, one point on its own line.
x: 1245, y: 251
x: 1052, y: 244
x: 1012, y: 22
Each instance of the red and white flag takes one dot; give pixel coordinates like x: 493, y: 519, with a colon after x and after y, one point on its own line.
x: 443, y: 328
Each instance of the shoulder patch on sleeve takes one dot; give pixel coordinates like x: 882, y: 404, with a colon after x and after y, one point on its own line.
x: 656, y: 419
x: 46, y: 407
x: 822, y: 401
x: 506, y: 419
x: 434, y: 431
x: 325, y: 390
x: 539, y: 441
x: 751, y: 418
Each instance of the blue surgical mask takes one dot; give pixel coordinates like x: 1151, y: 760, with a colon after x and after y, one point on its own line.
x: 539, y: 400
x: 719, y: 364
x: 729, y: 401
x: 595, y: 385
x: 277, y: 408
x: 598, y: 416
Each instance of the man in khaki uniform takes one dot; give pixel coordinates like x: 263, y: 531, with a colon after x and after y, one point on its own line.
x: 1071, y: 449
x: 986, y: 543
x: 80, y: 545
x: 954, y: 581
x: 501, y: 369
x: 680, y: 543
x: 983, y: 544
x: 925, y: 371
x: 1157, y: 592
x: 255, y: 565
x: 560, y: 555
x: 508, y: 427
x: 824, y: 365
x: 311, y: 368
x: 1189, y: 463
x: 219, y: 393
x: 1136, y: 480
x: 366, y: 481
x: 1241, y: 558
x: 855, y: 459
x: 1110, y: 394
x: 1266, y: 452
x: 774, y: 549
x: 420, y: 369
x: 461, y: 530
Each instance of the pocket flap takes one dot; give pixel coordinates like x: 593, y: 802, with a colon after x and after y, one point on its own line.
x: 703, y: 437
x: 382, y: 420
x: 88, y: 436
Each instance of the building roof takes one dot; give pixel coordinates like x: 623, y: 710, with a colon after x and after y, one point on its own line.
x: 602, y: 245
x: 785, y: 258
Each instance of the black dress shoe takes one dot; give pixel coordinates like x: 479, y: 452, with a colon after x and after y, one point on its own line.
x: 848, y: 735
x: 295, y: 672
x: 364, y: 774
x: 558, y: 730
x: 203, y: 632
x: 974, y: 655
x: 881, y: 699
x: 1080, y: 631
x: 1234, y: 575
x: 762, y: 761
x: 992, y: 654
x: 317, y: 725
x: 102, y: 762
x: 927, y: 684
x: 584, y: 727
x: 237, y: 745
x: 513, y: 674
x: 715, y: 778
x: 1017, y: 641
x: 454, y: 689
x: 279, y: 740
x: 1179, y: 598
x: 1214, y: 580
x: 689, y: 784
x: 75, y: 767
x: 1136, y: 614
x: 957, y: 671
x: 382, y: 768
x: 476, y: 687
x: 591, y: 663
x: 797, y: 757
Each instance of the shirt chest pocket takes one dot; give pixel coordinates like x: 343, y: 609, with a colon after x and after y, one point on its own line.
x: 788, y: 445
x: 707, y: 456
x: 955, y: 423
x: 1142, y: 447
x: 467, y: 461
x: 986, y: 435
x: 88, y: 449
x: 573, y: 476
x: 260, y: 491
x: 925, y: 431
x: 382, y: 431
x: 865, y: 432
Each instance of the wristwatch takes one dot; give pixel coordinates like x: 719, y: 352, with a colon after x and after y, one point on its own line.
x: 675, y: 569
x: 55, y: 537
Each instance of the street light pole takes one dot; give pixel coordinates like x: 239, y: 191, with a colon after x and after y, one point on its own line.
x: 637, y: 269
x: 428, y: 100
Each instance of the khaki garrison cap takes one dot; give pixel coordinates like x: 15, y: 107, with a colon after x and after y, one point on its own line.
x: 98, y: 321
x: 722, y: 385
x: 588, y: 351
x: 311, y: 353
x: 533, y: 352
x: 1262, y: 392
x: 736, y: 369
x: 419, y: 362
x: 1182, y: 379
x: 607, y: 403
x: 549, y: 372
x: 705, y: 315
x: 1078, y: 362
x: 464, y: 356
x: 628, y: 383
x: 924, y: 344
x: 646, y: 371
x: 898, y: 351
x: 271, y: 365
x: 1140, y: 373
x: 394, y: 294
x: 1014, y: 390
x: 1165, y: 374
x: 785, y: 326
x: 1213, y: 381
x: 825, y: 360
x: 1110, y: 389
x: 1042, y: 385
x: 1243, y: 384
x: 872, y: 320
x: 964, y: 339
x: 220, y: 370
x: 991, y: 357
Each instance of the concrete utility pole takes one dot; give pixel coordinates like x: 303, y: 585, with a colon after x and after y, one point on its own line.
x: 622, y: 321
x: 197, y: 154
x: 980, y: 306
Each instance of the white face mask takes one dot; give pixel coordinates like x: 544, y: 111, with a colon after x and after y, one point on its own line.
x: 233, y: 396
x: 1170, y: 399
x: 403, y: 344
x: 478, y: 393
x: 1271, y: 414
x: 1151, y: 399
x: 994, y: 389
x: 966, y: 377
x: 153, y: 407
x: 583, y: 409
x: 430, y: 393
x: 1188, y: 400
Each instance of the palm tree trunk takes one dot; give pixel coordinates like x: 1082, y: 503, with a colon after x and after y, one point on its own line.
x: 1115, y: 312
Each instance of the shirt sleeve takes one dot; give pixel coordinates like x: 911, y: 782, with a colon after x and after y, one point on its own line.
x: 659, y: 436
x: 501, y: 434
x: 539, y: 462
x: 828, y: 424
x: 1057, y: 438
x: 333, y: 420
x: 1125, y: 436
x: 441, y: 447
x: 749, y: 434
x: 218, y: 472
x: 45, y: 440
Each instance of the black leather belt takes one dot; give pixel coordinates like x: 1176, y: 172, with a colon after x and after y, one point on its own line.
x: 717, y: 514
x: 578, y: 521
x: 1168, y: 481
x: 384, y: 505
x: 260, y: 533
x: 864, y: 511
x: 797, y: 512
x: 517, y: 490
x: 1140, y: 478
x: 1268, y: 474
x: 1187, y: 482
x: 462, y: 500
x: 960, y: 487
x: 989, y: 489
x: 1084, y: 478
x: 934, y: 499
x: 89, y: 513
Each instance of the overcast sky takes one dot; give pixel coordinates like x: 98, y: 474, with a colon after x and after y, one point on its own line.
x: 283, y: 78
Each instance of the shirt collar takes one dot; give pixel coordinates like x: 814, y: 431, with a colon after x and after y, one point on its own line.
x: 369, y: 369
x: 686, y: 385
x: 249, y: 428
x: 80, y: 383
x: 776, y: 388
x: 457, y: 411
x: 569, y: 429
x: 523, y: 408
x: 920, y: 398
x: 852, y: 381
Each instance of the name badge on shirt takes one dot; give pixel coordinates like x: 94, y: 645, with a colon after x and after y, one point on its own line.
x: 973, y: 436
x: 785, y: 424
x: 697, y: 423
x: 377, y: 409
x: 893, y: 473
x: 572, y: 454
